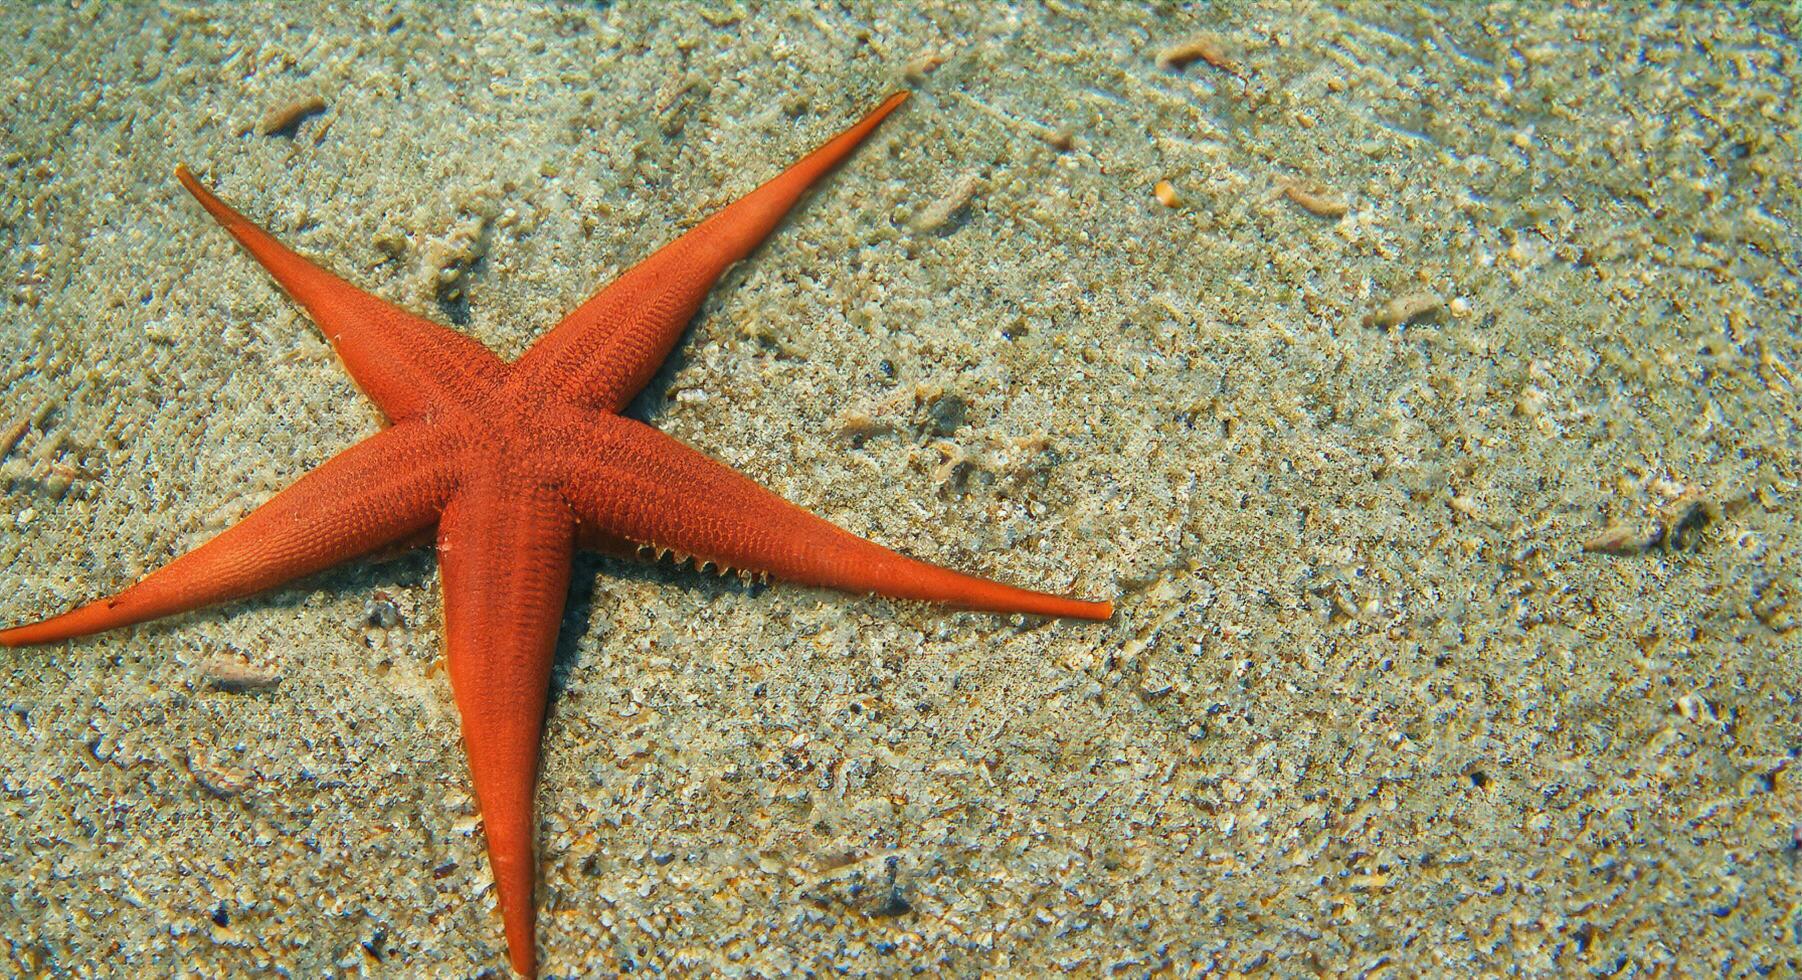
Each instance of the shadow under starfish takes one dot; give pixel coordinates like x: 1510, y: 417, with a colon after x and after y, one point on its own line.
x: 517, y: 465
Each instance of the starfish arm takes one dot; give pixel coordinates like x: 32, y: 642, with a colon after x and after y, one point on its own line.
x: 605, y: 351
x: 406, y: 364
x: 504, y: 554
x: 625, y: 480
x: 378, y: 491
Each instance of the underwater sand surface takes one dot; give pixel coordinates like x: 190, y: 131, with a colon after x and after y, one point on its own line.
x: 1433, y: 423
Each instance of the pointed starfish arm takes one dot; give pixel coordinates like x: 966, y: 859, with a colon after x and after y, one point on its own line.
x: 504, y: 554
x: 406, y: 364
x: 625, y: 480
x: 379, y: 491
x: 605, y: 351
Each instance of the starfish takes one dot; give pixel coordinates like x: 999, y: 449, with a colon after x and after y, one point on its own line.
x: 516, y: 465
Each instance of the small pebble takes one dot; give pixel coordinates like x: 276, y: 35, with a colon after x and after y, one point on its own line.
x: 1407, y: 308
x: 946, y: 414
x: 1776, y: 606
x: 1685, y: 518
x: 380, y: 612
x: 1166, y: 194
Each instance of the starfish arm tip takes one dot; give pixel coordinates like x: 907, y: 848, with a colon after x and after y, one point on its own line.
x: 193, y: 186
x: 890, y: 104
x: 52, y: 630
x: 1060, y: 607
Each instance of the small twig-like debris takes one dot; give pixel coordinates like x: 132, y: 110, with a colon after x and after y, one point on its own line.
x: 10, y: 436
x: 1675, y: 527
x: 1404, y: 309
x: 922, y: 65
x: 684, y: 99
x: 935, y: 215
x: 1694, y: 707
x: 1201, y: 48
x: 1625, y: 539
x: 1316, y: 199
x: 234, y: 675
x: 858, y: 425
x: 284, y: 119
x: 1531, y: 401
x: 221, y: 779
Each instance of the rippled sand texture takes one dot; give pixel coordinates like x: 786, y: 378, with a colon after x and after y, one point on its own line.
x: 1423, y: 383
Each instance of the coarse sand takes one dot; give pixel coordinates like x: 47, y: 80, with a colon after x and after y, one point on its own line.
x: 1420, y: 382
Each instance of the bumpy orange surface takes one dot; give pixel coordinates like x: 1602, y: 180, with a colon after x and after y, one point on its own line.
x: 516, y: 465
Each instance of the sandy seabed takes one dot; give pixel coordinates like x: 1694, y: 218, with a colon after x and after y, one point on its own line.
x: 1421, y: 383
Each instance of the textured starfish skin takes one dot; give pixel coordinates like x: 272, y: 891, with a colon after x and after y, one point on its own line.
x: 516, y: 466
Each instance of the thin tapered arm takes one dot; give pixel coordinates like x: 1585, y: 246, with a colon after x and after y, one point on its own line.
x: 504, y: 552
x: 603, y: 353
x: 377, y: 492
x: 406, y: 364
x: 625, y: 479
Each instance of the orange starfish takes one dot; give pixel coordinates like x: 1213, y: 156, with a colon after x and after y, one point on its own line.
x: 516, y: 465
